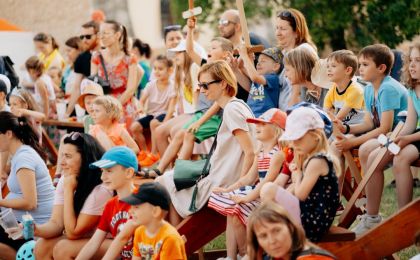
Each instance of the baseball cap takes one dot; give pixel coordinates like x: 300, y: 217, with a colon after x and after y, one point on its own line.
x: 151, y: 192
x: 271, y: 116
x: 182, y: 46
x: 120, y: 155
x: 300, y: 121
x: 5, y: 83
x: 274, y: 53
x: 89, y: 87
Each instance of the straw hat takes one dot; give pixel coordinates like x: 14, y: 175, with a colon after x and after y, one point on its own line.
x: 88, y: 87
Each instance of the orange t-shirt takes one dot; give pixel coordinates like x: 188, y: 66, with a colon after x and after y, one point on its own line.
x: 114, y: 133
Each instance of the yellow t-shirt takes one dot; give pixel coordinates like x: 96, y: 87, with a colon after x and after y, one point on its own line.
x: 351, y: 97
x: 166, y: 244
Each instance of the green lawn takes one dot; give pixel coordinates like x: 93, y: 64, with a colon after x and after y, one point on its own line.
x: 388, y: 207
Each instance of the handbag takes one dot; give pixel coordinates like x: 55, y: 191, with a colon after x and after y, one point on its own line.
x: 105, y: 84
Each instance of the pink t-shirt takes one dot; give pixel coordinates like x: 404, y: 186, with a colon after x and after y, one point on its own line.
x: 95, y: 202
x: 158, y: 101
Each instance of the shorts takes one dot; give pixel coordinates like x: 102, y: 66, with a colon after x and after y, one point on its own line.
x: 15, y: 244
x: 417, y: 143
x: 145, y: 121
x: 206, y: 130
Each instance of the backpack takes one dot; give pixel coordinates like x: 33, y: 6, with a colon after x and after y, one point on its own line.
x: 6, y: 68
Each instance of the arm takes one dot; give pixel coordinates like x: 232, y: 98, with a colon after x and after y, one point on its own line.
x: 407, y: 134
x: 171, y: 109
x: 128, y: 140
x: 295, y: 95
x: 195, y: 57
x: 120, y: 240
x: 90, y: 248
x: 132, y: 83
x: 54, y: 227
x: 38, y: 116
x: 245, y: 141
x: 209, y: 113
x: 236, y: 65
x: 102, y: 138
x: 27, y: 183
x: 75, y: 93
x: 303, y: 186
x: 250, y: 68
x: 248, y: 179
x: 42, y: 90
x: 143, y: 99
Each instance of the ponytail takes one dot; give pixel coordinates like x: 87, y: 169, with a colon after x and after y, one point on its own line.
x: 124, y: 37
x: 54, y: 43
x: 22, y: 130
x: 144, y: 48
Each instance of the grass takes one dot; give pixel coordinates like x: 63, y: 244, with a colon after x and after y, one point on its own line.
x: 388, y: 207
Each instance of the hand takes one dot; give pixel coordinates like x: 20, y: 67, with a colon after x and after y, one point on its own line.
x: 233, y: 62
x: 220, y: 190
x: 191, y: 22
x: 18, y: 111
x: 240, y: 199
x: 402, y: 141
x: 344, y: 144
x: 193, y: 128
x: 70, y: 182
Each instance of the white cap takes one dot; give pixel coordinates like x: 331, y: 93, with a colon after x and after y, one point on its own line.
x: 6, y: 81
x: 182, y: 46
x: 300, y: 121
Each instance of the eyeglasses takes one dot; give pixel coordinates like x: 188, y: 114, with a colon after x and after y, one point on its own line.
x: 206, y: 85
x: 87, y: 36
x: 225, y: 22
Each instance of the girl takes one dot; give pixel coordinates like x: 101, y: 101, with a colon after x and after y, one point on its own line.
x: 234, y: 152
x: 142, y: 52
x: 239, y: 199
x: 43, y: 86
x: 272, y: 231
x: 122, y: 70
x: 106, y: 113
x: 73, y: 47
x: 312, y: 198
x: 408, y: 140
x: 78, y: 200
x: 298, y: 65
x: 159, y: 97
x: 49, y: 54
x: 29, y: 181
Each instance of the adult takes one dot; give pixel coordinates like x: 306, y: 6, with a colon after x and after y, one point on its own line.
x: 78, y: 200
x: 291, y: 32
x: 234, y: 152
x: 123, y: 73
x: 29, y: 182
x: 142, y: 52
x: 73, y: 48
x: 81, y: 66
x: 48, y: 51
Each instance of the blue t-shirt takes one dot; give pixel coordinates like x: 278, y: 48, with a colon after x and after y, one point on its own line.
x: 285, y: 91
x: 391, y: 96
x: 416, y: 104
x: 263, y: 97
x: 27, y: 158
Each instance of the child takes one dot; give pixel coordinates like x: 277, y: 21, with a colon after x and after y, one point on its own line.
x: 119, y: 164
x: 345, y: 98
x: 265, y: 88
x: 391, y: 97
x: 56, y: 76
x: 312, y: 198
x: 298, y: 65
x: 157, y: 103
x: 239, y: 199
x: 106, y: 112
x: 89, y: 91
x: 3, y: 94
x: 154, y: 238
x: 271, y: 230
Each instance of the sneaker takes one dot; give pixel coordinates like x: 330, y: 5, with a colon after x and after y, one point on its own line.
x: 141, y: 156
x: 340, y: 209
x: 149, y: 160
x: 366, y: 223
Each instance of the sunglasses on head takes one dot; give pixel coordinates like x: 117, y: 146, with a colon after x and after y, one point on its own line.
x: 170, y: 28
x: 205, y: 85
x: 74, y: 136
x: 87, y: 36
x: 287, y: 15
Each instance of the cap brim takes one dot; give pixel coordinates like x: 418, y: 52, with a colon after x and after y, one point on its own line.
x: 103, y: 164
x: 132, y: 200
x: 81, y: 101
x: 256, y: 121
x: 291, y: 135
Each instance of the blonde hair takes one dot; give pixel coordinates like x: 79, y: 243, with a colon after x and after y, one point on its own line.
x: 112, y: 106
x: 186, y: 71
x: 220, y: 70
x: 272, y: 212
x: 406, y: 77
x: 303, y: 61
x: 225, y: 44
x: 25, y: 97
x: 346, y: 57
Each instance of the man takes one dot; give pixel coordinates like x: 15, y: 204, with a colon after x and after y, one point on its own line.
x: 90, y: 43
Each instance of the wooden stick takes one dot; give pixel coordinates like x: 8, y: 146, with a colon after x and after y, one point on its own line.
x: 190, y: 4
x: 244, y: 26
x: 367, y: 176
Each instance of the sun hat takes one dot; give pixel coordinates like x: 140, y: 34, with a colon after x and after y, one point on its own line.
x: 88, y: 87
x: 300, y: 121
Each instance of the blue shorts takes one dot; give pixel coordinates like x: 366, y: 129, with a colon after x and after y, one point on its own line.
x: 145, y: 121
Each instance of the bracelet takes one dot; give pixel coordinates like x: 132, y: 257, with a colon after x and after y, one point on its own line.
x: 347, y: 129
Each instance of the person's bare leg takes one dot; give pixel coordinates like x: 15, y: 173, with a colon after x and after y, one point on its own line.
x: 169, y: 129
x: 153, y: 125
x: 231, y: 243
x: 69, y: 249
x: 137, y: 132
x: 342, y: 174
x: 171, y: 152
x: 174, y: 217
x: 240, y: 235
x: 6, y: 252
x: 187, y: 146
x: 44, y: 247
x: 402, y: 174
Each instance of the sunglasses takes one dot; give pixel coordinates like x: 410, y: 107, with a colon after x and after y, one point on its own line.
x: 206, y: 85
x: 74, y: 136
x: 87, y: 36
x: 224, y: 22
x: 287, y: 15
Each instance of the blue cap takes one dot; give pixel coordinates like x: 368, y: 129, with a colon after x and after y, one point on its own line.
x: 121, y: 155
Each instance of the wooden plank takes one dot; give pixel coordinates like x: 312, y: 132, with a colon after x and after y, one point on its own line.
x: 49, y: 145
x: 355, y: 171
x: 338, y: 234
x: 69, y: 124
x: 200, y: 228
x: 343, y: 221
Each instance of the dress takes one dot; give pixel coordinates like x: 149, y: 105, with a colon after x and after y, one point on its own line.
x: 114, y: 133
x: 226, y: 162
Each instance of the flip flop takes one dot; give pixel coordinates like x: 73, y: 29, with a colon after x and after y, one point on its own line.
x: 145, y: 173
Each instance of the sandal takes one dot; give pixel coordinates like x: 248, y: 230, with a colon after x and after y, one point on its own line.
x: 145, y: 173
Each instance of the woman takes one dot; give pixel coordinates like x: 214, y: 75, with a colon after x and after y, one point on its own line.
x: 29, y: 182
x: 271, y: 234
x: 73, y: 48
x: 78, y: 201
x: 292, y: 32
x: 143, y: 53
x: 234, y: 152
x: 48, y: 51
x: 122, y: 70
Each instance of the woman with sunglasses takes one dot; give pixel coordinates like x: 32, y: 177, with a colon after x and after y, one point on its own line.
x: 78, y: 201
x: 121, y: 69
x: 29, y: 182
x: 234, y: 153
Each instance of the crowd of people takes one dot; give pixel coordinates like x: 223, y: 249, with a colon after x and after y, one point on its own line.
x: 261, y: 122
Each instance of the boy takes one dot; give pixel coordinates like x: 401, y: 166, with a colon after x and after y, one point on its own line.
x: 3, y: 94
x: 118, y: 167
x: 345, y: 98
x: 265, y: 88
x: 384, y: 99
x: 154, y: 238
x: 90, y: 90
